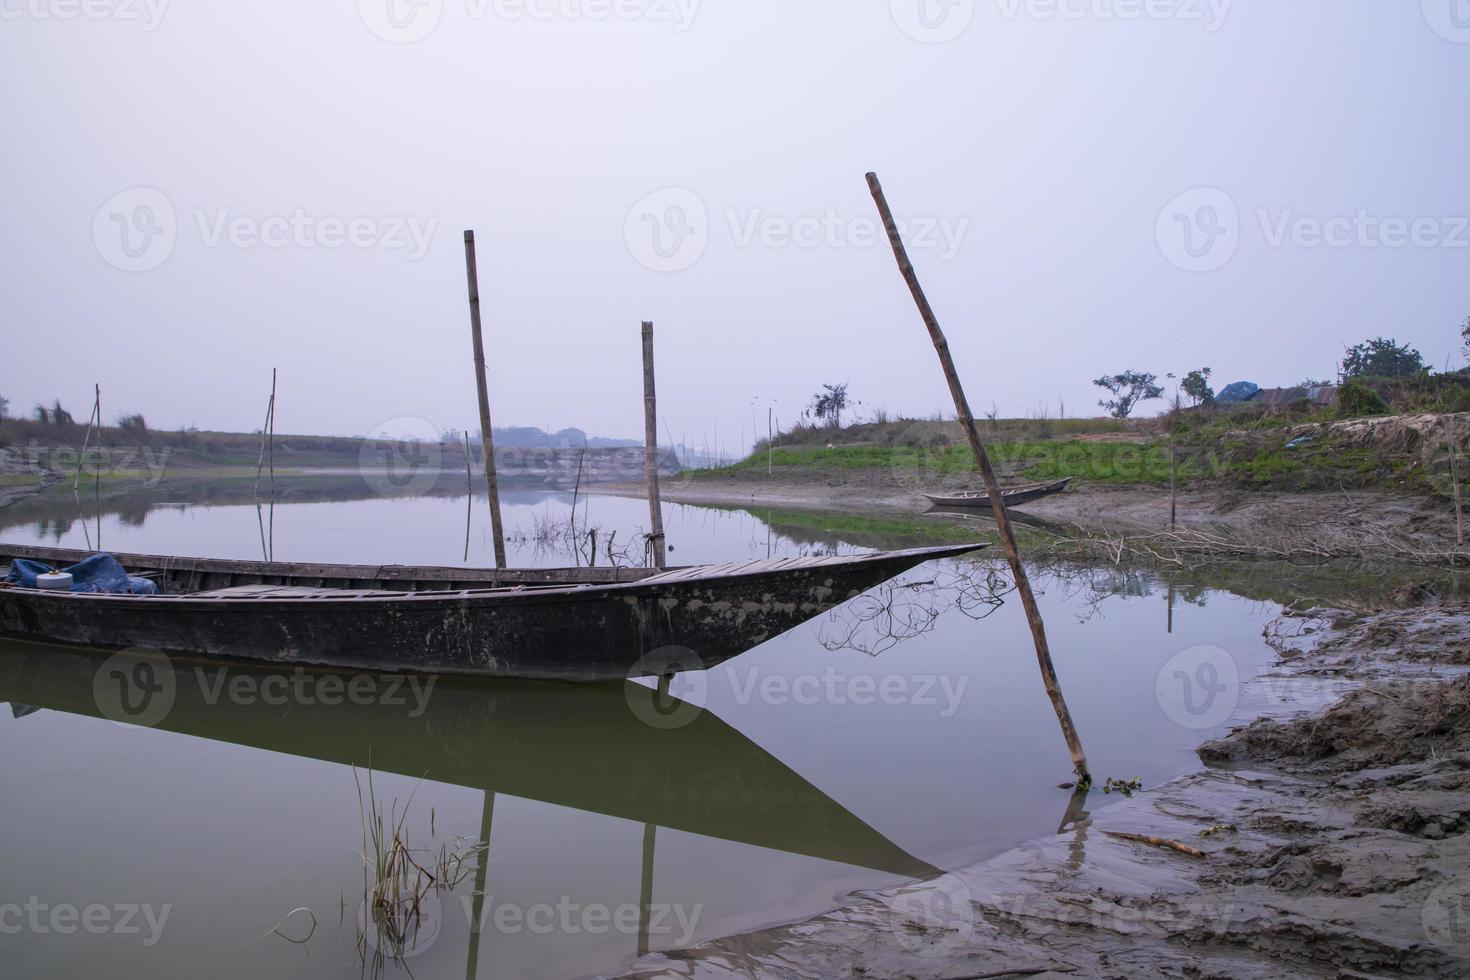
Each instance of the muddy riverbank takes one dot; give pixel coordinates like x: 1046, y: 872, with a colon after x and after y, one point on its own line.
x: 1221, y: 521
x: 1334, y: 842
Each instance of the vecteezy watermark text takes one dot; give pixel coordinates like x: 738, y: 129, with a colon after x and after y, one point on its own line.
x: 407, y: 21
x: 569, y: 918
x: 138, y: 687
x: 670, y: 229
x: 64, y: 919
x: 147, y: 14
x: 137, y: 229
x: 1210, y: 14
x: 110, y: 462
x: 687, y: 692
x: 1202, y: 229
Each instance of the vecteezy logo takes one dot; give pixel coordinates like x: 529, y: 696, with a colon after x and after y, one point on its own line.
x: 1449, y: 18
x: 1198, y: 688
x: 933, y: 21
x: 935, y: 918
x: 135, y: 687
x: 1446, y: 917
x: 401, y: 458
x: 135, y: 230
x: 684, y: 698
x: 1199, y: 231
x: 401, y: 21
x: 399, y: 927
x: 668, y: 230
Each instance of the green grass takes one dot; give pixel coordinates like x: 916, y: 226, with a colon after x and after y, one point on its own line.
x: 1095, y: 462
x: 1255, y: 457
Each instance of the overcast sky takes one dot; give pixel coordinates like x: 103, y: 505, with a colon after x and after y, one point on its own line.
x: 198, y: 192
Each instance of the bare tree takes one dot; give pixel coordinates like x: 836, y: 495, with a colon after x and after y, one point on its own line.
x: 830, y: 403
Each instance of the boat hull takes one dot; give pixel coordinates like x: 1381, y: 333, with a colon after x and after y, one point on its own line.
x: 687, y: 620
x: 1011, y: 498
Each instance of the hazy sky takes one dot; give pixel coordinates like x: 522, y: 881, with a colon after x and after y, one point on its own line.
x: 197, y: 192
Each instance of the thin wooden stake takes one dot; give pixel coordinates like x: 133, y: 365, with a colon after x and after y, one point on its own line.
x: 265, y: 429
x: 487, y: 440
x: 1455, y: 480
x: 992, y: 485
x: 770, y: 442
x: 87, y: 439
x: 469, y: 495
x: 576, y: 491
x: 97, y: 470
x: 271, y: 445
x: 656, y: 544
x: 1173, y: 484
x: 1174, y: 463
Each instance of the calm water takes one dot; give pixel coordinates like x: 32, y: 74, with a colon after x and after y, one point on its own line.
x: 904, y: 733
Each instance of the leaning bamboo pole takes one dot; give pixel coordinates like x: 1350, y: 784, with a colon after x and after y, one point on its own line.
x: 992, y: 485
x: 656, y: 544
x: 487, y: 439
x: 87, y: 439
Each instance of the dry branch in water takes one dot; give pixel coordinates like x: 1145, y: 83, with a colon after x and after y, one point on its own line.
x: 1152, y: 841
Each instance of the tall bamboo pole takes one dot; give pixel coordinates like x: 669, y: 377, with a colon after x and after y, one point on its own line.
x: 992, y: 484
x: 97, y: 468
x: 487, y: 439
x: 271, y: 443
x: 1173, y: 484
x: 1455, y: 479
x: 770, y: 443
x: 656, y: 543
x: 469, y: 495
x: 1174, y: 462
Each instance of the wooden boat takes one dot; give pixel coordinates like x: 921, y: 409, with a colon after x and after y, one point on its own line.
x: 573, y: 745
x: 577, y: 624
x: 1011, y: 498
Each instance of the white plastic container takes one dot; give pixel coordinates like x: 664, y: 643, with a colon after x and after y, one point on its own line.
x: 54, y: 581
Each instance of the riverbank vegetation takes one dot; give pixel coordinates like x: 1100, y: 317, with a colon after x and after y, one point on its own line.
x: 1381, y: 432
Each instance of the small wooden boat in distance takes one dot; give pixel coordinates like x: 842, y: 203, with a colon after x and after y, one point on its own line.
x: 578, y: 624
x: 1011, y: 498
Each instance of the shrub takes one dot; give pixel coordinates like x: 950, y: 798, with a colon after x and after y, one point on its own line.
x: 1356, y: 398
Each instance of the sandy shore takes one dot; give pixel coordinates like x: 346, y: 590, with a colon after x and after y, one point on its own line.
x: 1333, y: 843
x: 1339, y: 523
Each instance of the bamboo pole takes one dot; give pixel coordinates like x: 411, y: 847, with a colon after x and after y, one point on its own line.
x: 469, y: 495
x: 487, y: 439
x: 992, y: 485
x: 770, y: 443
x: 1173, y: 483
x: 477, y: 901
x: 87, y: 439
x: 1174, y: 463
x: 576, y: 491
x: 265, y: 428
x: 645, y: 890
x: 1455, y: 480
x: 271, y: 446
x: 97, y: 470
x: 656, y: 543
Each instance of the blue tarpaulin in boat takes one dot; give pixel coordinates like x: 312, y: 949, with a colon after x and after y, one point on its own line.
x: 99, y: 573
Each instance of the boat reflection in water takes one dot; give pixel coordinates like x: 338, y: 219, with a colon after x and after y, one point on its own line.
x: 602, y: 748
